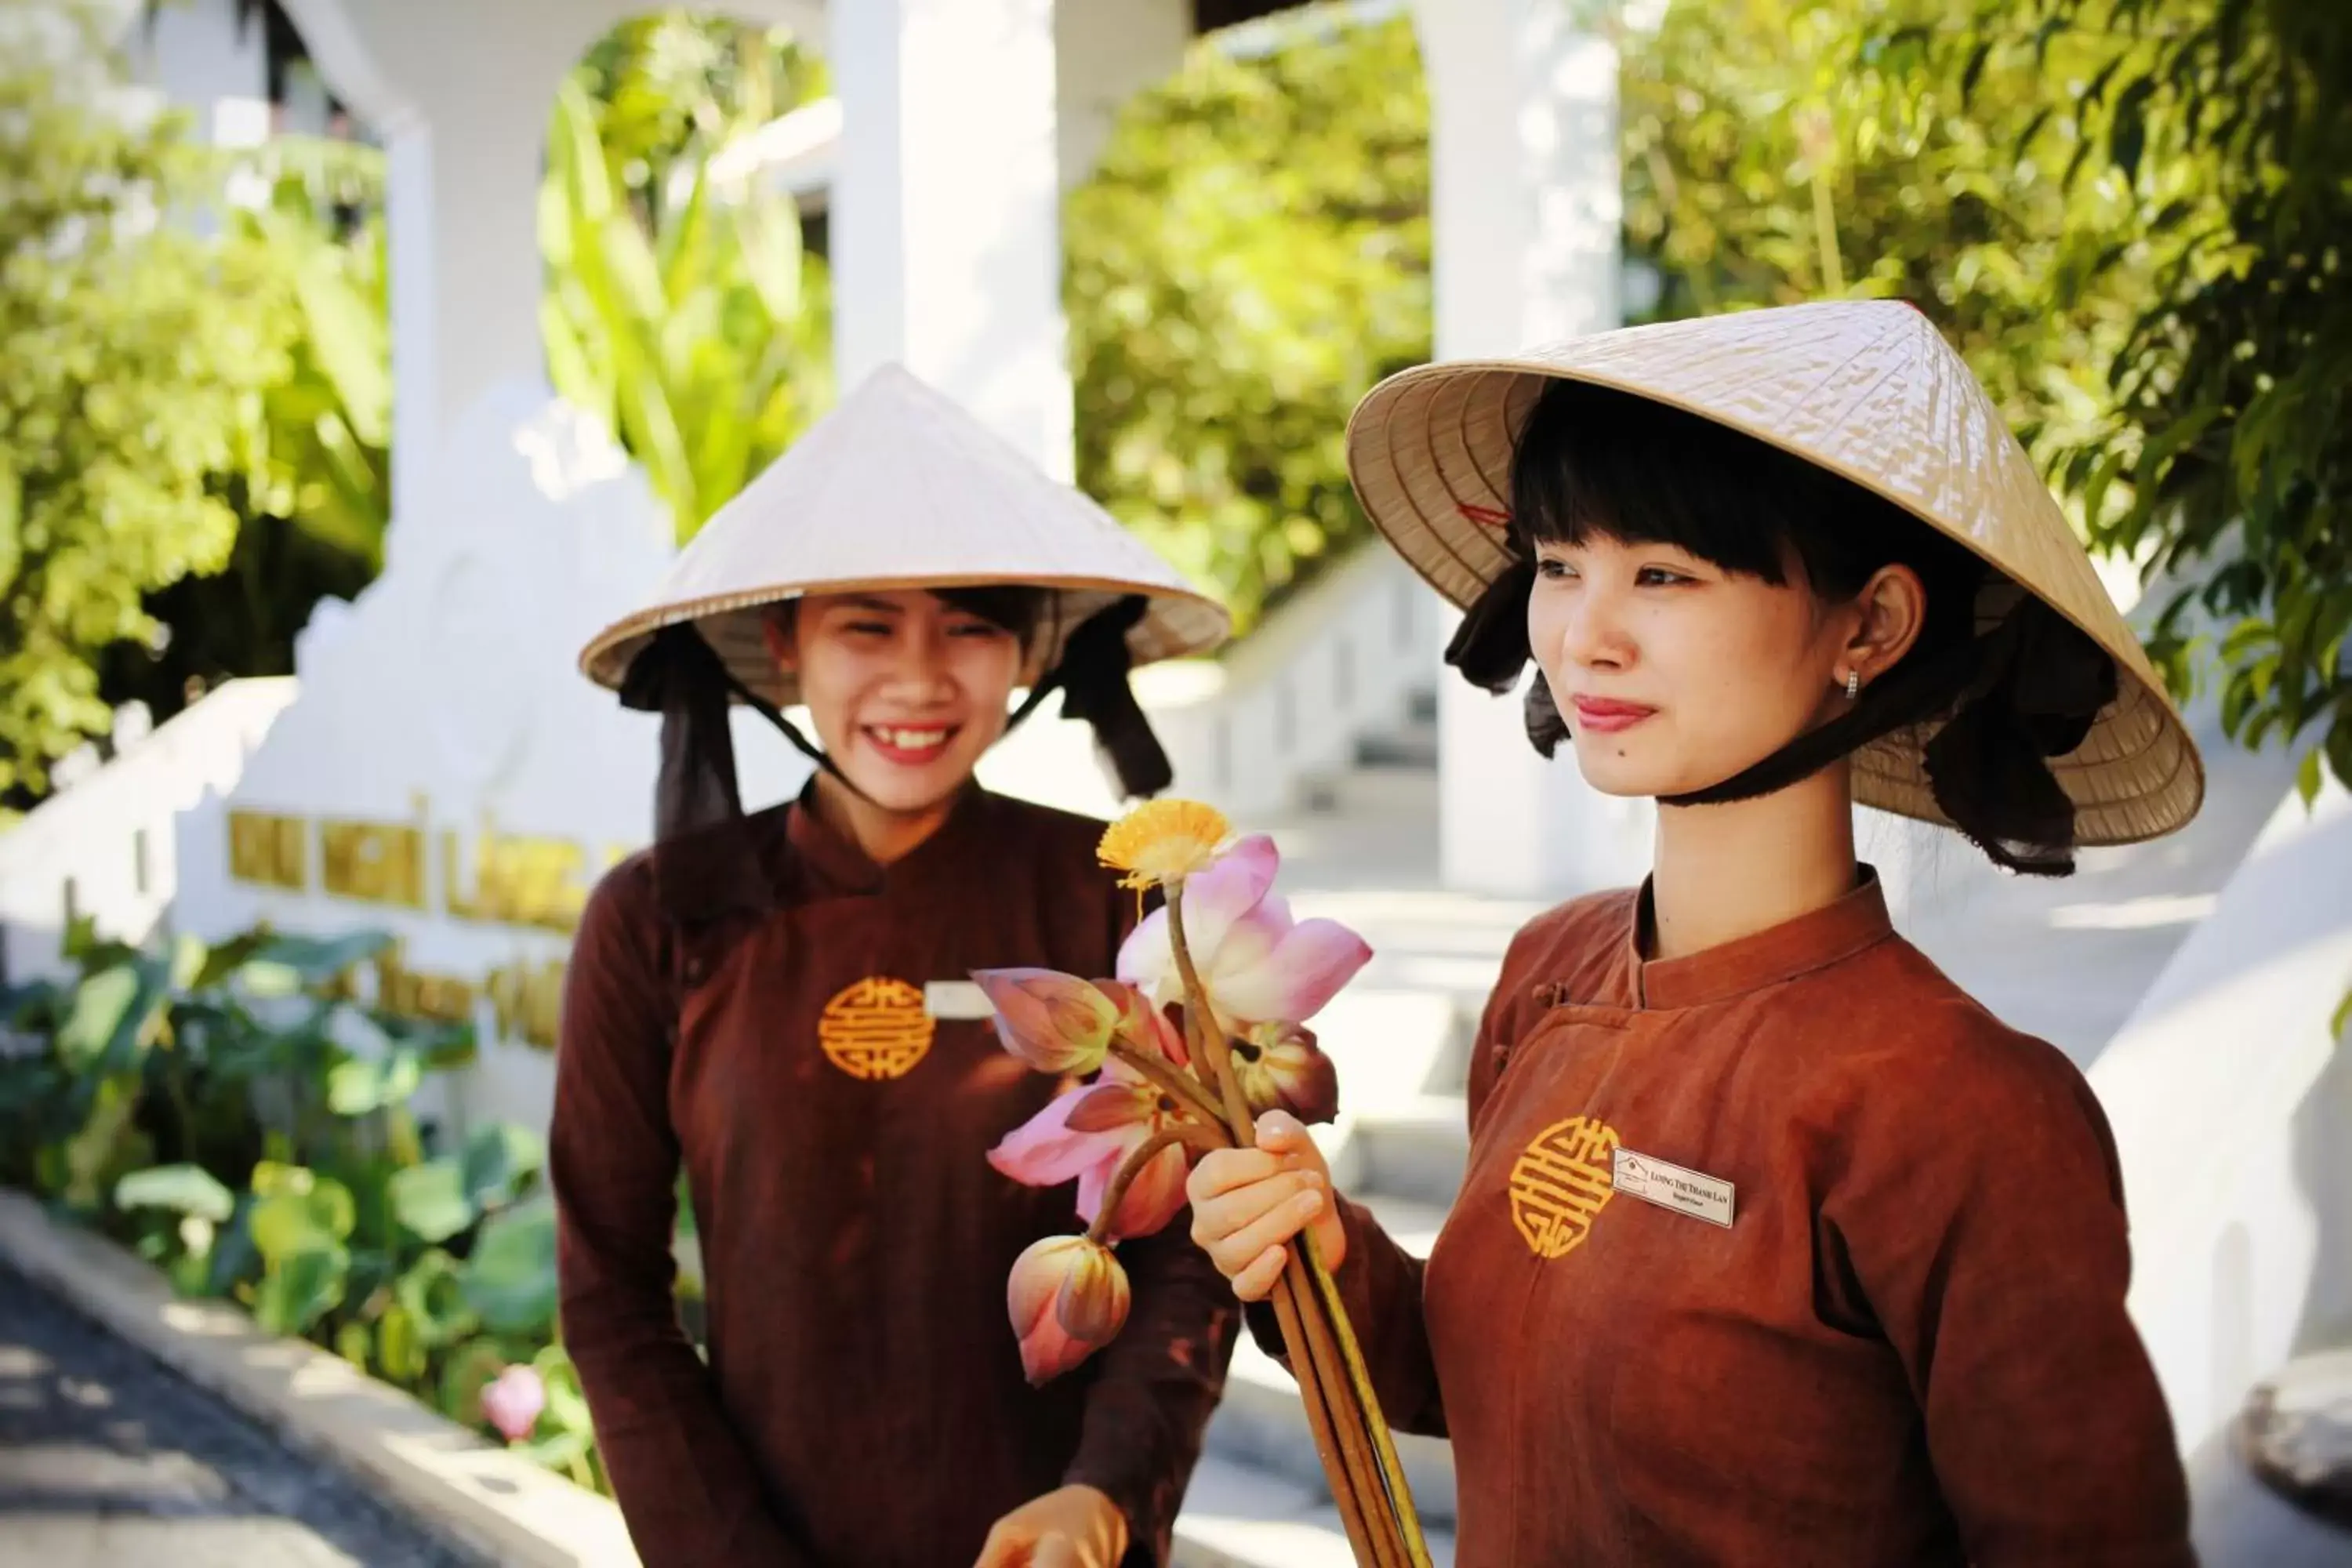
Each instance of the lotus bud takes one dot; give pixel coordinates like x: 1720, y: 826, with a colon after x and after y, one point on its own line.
x: 1067, y: 1298
x: 512, y: 1402
x: 1055, y: 1023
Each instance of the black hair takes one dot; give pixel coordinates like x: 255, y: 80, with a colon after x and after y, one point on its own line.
x: 2003, y: 700
x: 1016, y: 607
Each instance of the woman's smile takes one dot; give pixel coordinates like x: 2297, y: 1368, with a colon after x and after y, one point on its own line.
x: 910, y: 745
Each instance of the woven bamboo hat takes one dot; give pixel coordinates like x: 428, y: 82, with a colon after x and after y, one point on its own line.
x: 900, y: 487
x: 1868, y: 390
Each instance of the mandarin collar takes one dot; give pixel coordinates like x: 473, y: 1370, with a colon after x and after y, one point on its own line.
x: 1828, y: 935
x: 831, y: 865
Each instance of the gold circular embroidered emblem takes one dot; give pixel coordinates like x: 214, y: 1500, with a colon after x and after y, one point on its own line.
x: 1563, y: 1180
x: 877, y: 1028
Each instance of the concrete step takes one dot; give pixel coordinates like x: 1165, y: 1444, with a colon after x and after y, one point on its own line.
x: 1414, y: 1150
x: 1236, y: 1516
x: 1261, y: 1428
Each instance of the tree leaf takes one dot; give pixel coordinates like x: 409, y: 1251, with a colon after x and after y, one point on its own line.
x: 430, y: 1200
x: 432, y: 1298
x: 113, y: 1015
x: 500, y: 1159
x: 296, y: 1292
x: 362, y: 1085
x: 510, y: 1278
x: 181, y: 1189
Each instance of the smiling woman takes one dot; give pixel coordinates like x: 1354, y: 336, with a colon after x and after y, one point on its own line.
x: 773, y: 1000
x: 906, y: 689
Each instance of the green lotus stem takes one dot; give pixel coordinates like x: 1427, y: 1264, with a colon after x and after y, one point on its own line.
x: 1214, y: 1047
x: 1183, y: 1085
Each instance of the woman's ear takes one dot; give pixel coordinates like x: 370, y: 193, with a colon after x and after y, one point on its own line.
x: 777, y: 626
x: 1894, y: 608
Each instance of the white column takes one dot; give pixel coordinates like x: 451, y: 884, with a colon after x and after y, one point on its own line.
x: 1525, y: 199
x: 946, y: 237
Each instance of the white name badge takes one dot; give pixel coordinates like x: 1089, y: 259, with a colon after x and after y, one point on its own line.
x: 1672, y: 1187
x: 956, y: 999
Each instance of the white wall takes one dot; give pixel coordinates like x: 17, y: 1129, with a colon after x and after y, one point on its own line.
x: 106, y: 846
x: 2231, y: 1104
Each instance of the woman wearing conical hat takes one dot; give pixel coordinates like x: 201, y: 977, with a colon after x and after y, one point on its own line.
x: 1774, y: 1247
x: 778, y: 1003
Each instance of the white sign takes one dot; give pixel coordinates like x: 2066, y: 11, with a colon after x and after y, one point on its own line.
x: 447, y: 774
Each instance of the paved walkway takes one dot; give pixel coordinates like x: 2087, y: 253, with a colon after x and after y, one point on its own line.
x: 106, y: 1458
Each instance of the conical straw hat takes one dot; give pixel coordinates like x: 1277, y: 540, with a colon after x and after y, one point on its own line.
x: 900, y: 487
x: 1868, y: 390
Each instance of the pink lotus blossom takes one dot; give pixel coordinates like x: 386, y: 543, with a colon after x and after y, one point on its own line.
x: 1067, y: 1298
x: 512, y: 1402
x: 1088, y: 1134
x: 1142, y: 1024
x: 1256, y: 962
x: 1056, y: 1023
x: 1280, y: 1065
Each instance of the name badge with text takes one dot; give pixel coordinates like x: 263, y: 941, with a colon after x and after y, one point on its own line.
x: 1672, y: 1187
x: 956, y: 999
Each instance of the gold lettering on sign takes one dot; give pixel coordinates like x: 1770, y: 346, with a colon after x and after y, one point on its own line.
x: 527, y: 1000
x: 414, y: 993
x: 374, y: 862
x: 269, y: 850
x: 518, y: 881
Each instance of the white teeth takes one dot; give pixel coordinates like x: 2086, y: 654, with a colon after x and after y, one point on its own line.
x: 913, y: 739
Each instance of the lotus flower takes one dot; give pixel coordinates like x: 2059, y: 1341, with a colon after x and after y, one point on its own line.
x: 1067, y: 1298
x: 1256, y: 961
x: 1054, y: 1022
x: 1280, y: 1065
x: 1142, y: 1026
x: 1088, y: 1135
x: 512, y: 1402
x: 1163, y: 841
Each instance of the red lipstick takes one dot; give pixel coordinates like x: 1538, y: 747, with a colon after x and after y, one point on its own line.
x: 1603, y: 717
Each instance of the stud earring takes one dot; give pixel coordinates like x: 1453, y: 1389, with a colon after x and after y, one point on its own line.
x: 1852, y: 684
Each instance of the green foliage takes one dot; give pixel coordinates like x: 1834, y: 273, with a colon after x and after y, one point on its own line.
x: 219, y: 391
x: 2225, y: 456
x: 135, y: 350
x: 2129, y: 215
x: 680, y: 307
x: 1251, y: 254
x: 308, y: 479
x: 1778, y: 150
x: 236, y: 1115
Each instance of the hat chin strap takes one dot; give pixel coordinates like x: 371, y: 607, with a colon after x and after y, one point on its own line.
x: 679, y: 675
x: 2006, y: 702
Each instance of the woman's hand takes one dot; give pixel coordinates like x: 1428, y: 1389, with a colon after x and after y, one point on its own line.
x: 1075, y: 1527
x: 1249, y: 1203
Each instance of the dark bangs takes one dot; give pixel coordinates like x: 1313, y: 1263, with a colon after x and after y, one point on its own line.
x: 1592, y: 460
x: 1016, y: 607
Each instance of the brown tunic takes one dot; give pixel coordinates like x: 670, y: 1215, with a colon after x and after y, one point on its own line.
x: 1908, y: 1347
x: 749, y: 1002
